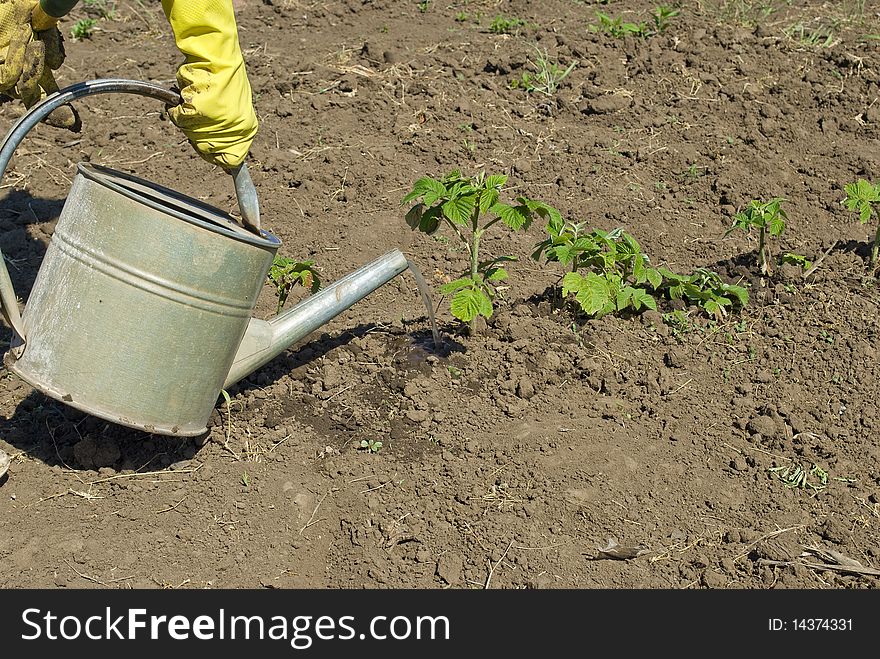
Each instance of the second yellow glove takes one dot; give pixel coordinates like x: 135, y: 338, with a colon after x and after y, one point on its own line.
x: 31, y: 47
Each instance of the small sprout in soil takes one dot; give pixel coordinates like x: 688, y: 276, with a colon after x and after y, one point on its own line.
x: 285, y: 273
x: 678, y: 322
x: 863, y: 197
x: 470, y: 206
x: 795, y: 476
x: 424, y: 6
x: 662, y: 14
x: 616, y: 27
x: 548, y: 77
x: 796, y: 259
x: 693, y: 172
x: 105, y: 9
x: 504, y: 25
x: 245, y: 479
x: 370, y: 445
x: 83, y: 28
x: 769, y: 218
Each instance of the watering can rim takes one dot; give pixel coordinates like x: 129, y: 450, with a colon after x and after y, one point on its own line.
x: 104, y: 176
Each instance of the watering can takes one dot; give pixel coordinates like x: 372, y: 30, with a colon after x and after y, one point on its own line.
x: 140, y: 313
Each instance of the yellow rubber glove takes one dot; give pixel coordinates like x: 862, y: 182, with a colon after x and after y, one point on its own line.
x: 31, y: 47
x: 217, y: 113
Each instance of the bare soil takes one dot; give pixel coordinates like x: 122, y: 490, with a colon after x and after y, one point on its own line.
x: 514, y: 453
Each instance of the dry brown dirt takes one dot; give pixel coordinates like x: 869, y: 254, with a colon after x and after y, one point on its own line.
x: 513, y: 454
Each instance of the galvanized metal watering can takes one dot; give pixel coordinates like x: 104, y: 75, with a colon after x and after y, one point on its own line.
x: 141, y: 310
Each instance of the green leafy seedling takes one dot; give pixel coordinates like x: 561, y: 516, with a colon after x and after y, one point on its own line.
x: 504, y: 25
x: 83, y: 28
x: 704, y: 289
x: 769, y: 218
x: 678, y: 322
x: 371, y: 445
x: 245, y: 479
x: 863, y: 197
x: 470, y: 206
x: 662, y: 14
x: 617, y: 28
x: 285, y: 273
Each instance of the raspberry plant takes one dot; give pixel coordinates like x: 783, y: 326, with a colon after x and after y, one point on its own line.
x: 285, y: 273
x: 609, y: 273
x: 769, y: 218
x: 863, y: 196
x: 618, y: 273
x: 470, y: 206
x: 705, y: 289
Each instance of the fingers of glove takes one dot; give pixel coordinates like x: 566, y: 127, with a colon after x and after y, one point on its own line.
x: 64, y: 116
x: 11, y: 69
x: 29, y: 84
x: 222, y: 139
x: 54, y: 44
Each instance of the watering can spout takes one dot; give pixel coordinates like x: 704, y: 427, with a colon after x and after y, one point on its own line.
x: 265, y: 339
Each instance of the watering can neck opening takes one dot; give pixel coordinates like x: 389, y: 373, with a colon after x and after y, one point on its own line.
x: 174, y: 203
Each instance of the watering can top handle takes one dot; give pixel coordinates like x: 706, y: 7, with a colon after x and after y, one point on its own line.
x: 244, y: 186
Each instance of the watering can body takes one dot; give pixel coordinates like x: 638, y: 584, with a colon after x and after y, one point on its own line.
x: 141, y: 312
x: 140, y: 304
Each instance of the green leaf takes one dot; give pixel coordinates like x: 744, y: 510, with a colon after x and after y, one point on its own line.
x: 453, y: 286
x: 564, y: 254
x: 495, y: 181
x: 638, y: 268
x: 654, y: 277
x: 594, y: 294
x: 468, y: 303
x: 741, y: 294
x: 641, y: 298
x: 624, y: 297
x: 671, y: 276
x: 515, y: 217
x: 572, y: 283
x: 488, y: 199
x: 458, y: 210
x: 714, y: 308
x: 430, y: 220
x: 425, y: 185
x: 496, y: 274
x: 776, y: 225
x: 544, y: 210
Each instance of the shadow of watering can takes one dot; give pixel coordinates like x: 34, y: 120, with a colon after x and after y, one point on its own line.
x: 141, y: 310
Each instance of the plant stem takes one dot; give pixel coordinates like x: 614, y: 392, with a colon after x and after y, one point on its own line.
x: 763, y: 259
x: 475, y: 251
x: 475, y: 260
x: 876, y: 247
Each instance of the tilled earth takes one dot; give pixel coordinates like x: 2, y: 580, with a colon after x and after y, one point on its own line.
x: 513, y: 453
